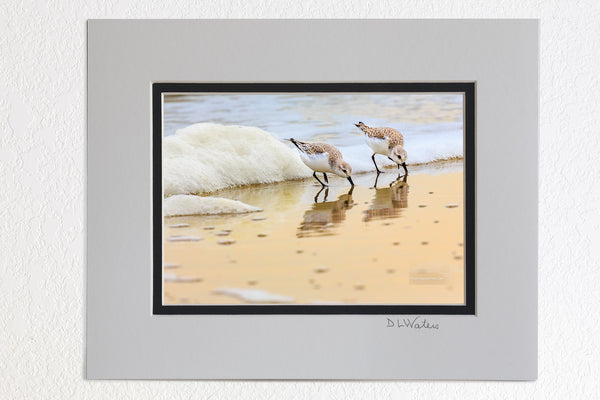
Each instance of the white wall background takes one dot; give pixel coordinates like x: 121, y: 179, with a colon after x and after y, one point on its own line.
x: 42, y: 186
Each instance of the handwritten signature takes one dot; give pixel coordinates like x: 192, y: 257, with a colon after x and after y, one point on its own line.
x: 412, y: 323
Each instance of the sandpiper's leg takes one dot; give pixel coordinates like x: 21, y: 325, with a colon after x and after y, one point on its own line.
x: 404, y: 166
x: 373, y: 158
x: 394, y: 161
x: 326, y: 194
x: 317, y: 178
x: 325, y: 176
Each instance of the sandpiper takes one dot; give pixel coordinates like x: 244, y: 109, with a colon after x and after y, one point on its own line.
x: 323, y: 157
x: 386, y: 141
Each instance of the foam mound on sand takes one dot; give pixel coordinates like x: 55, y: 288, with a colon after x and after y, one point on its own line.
x: 254, y: 295
x: 205, y: 157
x: 196, y: 205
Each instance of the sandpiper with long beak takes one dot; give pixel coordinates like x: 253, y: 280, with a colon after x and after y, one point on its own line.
x: 323, y: 157
x: 385, y: 141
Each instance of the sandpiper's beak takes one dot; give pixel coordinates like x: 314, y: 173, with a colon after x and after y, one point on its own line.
x: 357, y: 125
x: 350, y: 180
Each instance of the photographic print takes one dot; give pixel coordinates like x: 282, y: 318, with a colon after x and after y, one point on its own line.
x: 330, y: 207
x: 313, y: 198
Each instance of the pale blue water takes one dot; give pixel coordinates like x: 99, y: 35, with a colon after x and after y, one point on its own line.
x: 432, y: 124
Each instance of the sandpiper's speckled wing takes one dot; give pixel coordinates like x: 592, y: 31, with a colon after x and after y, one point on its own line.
x: 332, y: 151
x: 319, y: 149
x: 393, y: 137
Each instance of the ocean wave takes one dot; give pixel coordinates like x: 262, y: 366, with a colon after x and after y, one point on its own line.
x: 423, y: 146
x: 182, y: 204
x: 205, y: 157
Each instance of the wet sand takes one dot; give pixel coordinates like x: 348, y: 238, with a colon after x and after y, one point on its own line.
x: 398, y: 243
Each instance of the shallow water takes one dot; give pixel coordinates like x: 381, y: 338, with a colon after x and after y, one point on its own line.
x: 385, y: 241
x: 312, y: 115
x: 432, y: 124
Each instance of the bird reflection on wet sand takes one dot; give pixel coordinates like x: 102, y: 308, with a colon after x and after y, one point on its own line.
x: 325, y: 214
x: 389, y: 200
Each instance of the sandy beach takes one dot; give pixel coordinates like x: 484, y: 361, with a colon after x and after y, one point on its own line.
x: 398, y: 243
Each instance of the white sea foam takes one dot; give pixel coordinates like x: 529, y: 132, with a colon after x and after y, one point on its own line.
x: 169, y: 277
x: 424, y: 144
x: 206, y: 157
x: 254, y: 295
x: 182, y: 238
x: 197, y: 205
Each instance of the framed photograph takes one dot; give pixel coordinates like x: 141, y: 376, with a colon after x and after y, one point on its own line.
x: 312, y: 199
x: 247, y: 223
